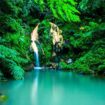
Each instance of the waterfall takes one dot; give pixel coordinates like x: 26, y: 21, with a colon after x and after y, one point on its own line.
x: 36, y: 55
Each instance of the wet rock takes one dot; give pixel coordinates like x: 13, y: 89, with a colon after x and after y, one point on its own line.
x: 29, y: 67
x: 53, y: 65
x: 69, y: 61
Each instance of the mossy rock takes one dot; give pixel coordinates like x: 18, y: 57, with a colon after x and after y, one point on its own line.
x: 3, y: 98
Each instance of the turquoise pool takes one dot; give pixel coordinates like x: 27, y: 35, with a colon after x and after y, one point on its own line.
x: 49, y: 87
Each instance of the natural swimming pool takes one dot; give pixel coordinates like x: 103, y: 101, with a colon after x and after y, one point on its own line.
x: 49, y: 87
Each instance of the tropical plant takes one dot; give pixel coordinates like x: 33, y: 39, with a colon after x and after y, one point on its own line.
x: 11, y: 61
x: 85, y: 5
x: 14, y: 36
x: 61, y: 9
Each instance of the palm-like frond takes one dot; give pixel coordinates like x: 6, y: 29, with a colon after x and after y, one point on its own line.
x: 61, y: 9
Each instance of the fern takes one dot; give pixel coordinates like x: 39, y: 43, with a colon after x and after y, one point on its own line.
x: 9, y: 67
x: 6, y: 52
x: 12, y: 61
x: 89, y: 42
x: 16, y: 71
x: 61, y: 9
x: 88, y: 5
x: 92, y: 61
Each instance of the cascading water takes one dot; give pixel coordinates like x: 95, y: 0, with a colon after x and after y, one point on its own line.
x: 36, y: 56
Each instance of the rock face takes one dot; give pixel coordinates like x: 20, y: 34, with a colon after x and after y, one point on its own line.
x: 34, y: 34
x: 34, y: 38
x: 57, y: 39
x: 55, y: 32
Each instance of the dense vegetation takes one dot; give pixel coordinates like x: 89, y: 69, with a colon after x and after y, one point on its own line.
x: 83, y: 26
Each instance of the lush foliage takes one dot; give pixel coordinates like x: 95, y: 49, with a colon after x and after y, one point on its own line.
x: 14, y: 38
x: 45, y: 40
x: 84, y: 41
x: 61, y: 9
x: 91, y: 5
x: 10, y: 60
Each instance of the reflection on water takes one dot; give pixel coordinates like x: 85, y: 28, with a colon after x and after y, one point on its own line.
x: 34, y: 89
x: 54, y: 88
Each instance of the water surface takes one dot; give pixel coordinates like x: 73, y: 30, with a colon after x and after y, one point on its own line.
x: 54, y: 88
